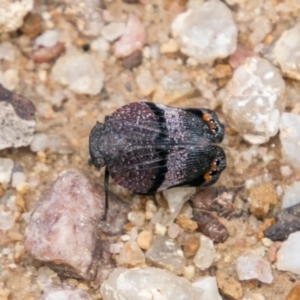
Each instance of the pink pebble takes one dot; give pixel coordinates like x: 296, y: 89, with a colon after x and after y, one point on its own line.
x: 239, y: 56
x: 133, y: 38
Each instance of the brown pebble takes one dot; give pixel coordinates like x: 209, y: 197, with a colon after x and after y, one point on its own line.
x: 263, y: 197
x: 294, y: 293
x: 144, y: 239
x: 32, y: 26
x: 191, y: 245
x: 133, y: 60
x: 47, y: 54
x: 230, y: 287
x: 1, y: 190
x: 210, y: 226
x: 186, y: 223
x: 222, y: 71
x: 266, y: 224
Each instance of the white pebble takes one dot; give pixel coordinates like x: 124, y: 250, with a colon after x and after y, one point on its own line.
x: 49, y: 38
x: 6, y: 167
x: 160, y: 229
x: 113, y: 31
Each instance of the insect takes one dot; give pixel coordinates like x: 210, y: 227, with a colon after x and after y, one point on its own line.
x: 148, y: 147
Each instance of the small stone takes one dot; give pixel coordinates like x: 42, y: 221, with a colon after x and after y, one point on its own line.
x: 208, y: 285
x: 81, y: 72
x: 133, y: 39
x: 147, y: 283
x: 291, y: 195
x: 47, y: 54
x: 287, y: 52
x: 160, y: 229
x: 115, y: 248
x: 137, y: 218
x: 176, y: 197
x: 12, y: 14
x: 191, y: 245
x: 32, y: 25
x: 171, y: 87
x: 130, y: 255
x: 165, y: 252
x: 254, y: 100
x: 254, y: 267
x: 51, y: 142
x: 113, y: 31
x: 64, y: 293
x: 6, y: 168
x: 173, y: 231
x: 17, y: 178
x: 64, y: 234
x: 145, y: 82
x: 210, y: 226
x: 16, y: 119
x: 171, y: 46
x: 287, y: 222
x: 49, y: 38
x: 294, y: 293
x: 230, y: 287
x: 222, y: 71
x: 144, y: 239
x: 189, y: 272
x: 262, y: 198
x: 7, y: 219
x: 206, y: 253
x: 186, y: 223
x: 133, y: 60
x: 261, y: 26
x: 288, y: 254
x: 100, y: 45
x: 289, y: 137
x: 240, y: 55
x: 199, y: 36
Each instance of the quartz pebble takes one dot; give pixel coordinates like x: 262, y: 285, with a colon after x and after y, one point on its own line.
x: 208, y: 285
x: 207, y: 32
x: 291, y: 195
x: 137, y: 218
x: 287, y: 52
x: 147, y: 283
x: 262, y: 198
x: 254, y: 267
x: 144, y: 239
x: 49, y: 38
x: 133, y: 39
x: 174, y: 230
x: 52, y: 293
x: 289, y: 138
x: 64, y: 234
x: 113, y: 31
x: 81, y: 72
x: 6, y: 167
x: 254, y: 100
x: 166, y: 253
x: 16, y: 119
x: 206, y: 253
x: 145, y: 82
x: 130, y: 255
x: 176, y: 197
x: 50, y: 142
x: 288, y: 255
x: 12, y: 14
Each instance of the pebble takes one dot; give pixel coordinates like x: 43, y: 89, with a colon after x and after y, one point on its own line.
x: 7, y: 219
x: 200, y: 37
x: 240, y: 55
x: 6, y: 168
x: 172, y: 86
x: 133, y: 39
x: 176, y: 197
x: 174, y: 230
x: 133, y: 60
x: 289, y: 137
x: 113, y: 31
x: 137, y: 218
x: 191, y: 245
x: 47, y: 54
x: 16, y: 119
x: 230, y: 287
x: 294, y: 293
x: 144, y: 239
x: 81, y: 72
x: 160, y: 229
x: 167, y: 254
x: 208, y: 285
x: 189, y: 272
x: 130, y: 255
x: 51, y: 142
x: 254, y: 267
x: 291, y: 195
x: 33, y: 25
x: 65, y: 234
x: 49, y: 38
x: 147, y: 283
x: 145, y: 82
x: 260, y: 27
x: 170, y: 46
x: 262, y: 198
x: 17, y: 178
x: 186, y: 223
x: 206, y: 253
x: 64, y: 293
x: 254, y: 100
x: 288, y: 255
x: 287, y: 52
x: 12, y: 14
